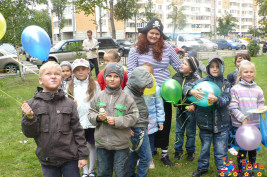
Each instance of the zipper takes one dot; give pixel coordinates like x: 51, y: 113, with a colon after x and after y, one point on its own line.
x: 109, y: 110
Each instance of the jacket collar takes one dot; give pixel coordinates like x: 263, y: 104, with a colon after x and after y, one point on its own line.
x: 243, y: 82
x: 113, y: 91
x: 48, y: 96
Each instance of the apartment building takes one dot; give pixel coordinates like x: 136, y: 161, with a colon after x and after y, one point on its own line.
x: 200, y: 18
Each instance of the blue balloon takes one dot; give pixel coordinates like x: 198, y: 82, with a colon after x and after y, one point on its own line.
x: 207, y: 87
x: 36, y: 42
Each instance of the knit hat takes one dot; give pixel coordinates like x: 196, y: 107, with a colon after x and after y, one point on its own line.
x: 114, y: 68
x: 66, y: 63
x: 80, y: 62
x: 153, y: 24
x: 193, y: 62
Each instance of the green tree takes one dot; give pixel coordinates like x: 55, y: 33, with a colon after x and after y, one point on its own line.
x: 43, y: 19
x: 253, y: 48
x: 263, y: 13
x: 226, y: 25
x: 251, y: 30
x: 178, y: 18
x: 58, y: 8
x: 149, y: 13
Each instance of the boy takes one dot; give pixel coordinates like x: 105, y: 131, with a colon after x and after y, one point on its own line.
x: 52, y: 120
x: 213, y: 121
x: 185, y: 118
x: 111, y: 56
x: 113, y: 112
x: 139, y: 80
x: 66, y: 75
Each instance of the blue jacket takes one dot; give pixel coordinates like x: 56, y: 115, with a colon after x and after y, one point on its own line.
x: 156, y: 111
x: 214, y: 118
x: 232, y: 77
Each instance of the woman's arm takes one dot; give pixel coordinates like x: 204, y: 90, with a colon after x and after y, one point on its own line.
x: 132, y: 61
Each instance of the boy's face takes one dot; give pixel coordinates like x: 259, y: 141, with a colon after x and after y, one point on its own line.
x: 66, y: 72
x: 238, y: 61
x: 108, y: 59
x: 113, y: 80
x: 185, y: 68
x: 81, y: 72
x: 51, y: 79
x: 214, y: 69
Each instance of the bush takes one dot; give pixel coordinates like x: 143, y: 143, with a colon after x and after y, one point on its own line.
x: 253, y: 48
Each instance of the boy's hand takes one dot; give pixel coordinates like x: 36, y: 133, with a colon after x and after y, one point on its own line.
x: 82, y: 163
x: 26, y: 109
x: 212, y: 98
x: 76, y: 102
x: 160, y: 127
x: 102, y: 116
x: 245, y: 122
x: 197, y: 94
x: 191, y: 108
x: 111, y: 120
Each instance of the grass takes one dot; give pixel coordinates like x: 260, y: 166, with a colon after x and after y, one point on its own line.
x: 18, y: 158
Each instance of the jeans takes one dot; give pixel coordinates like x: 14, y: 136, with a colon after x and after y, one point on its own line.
x: 107, y: 159
x: 151, y: 142
x: 143, y: 154
x: 220, y: 149
x: 185, y: 120
x: 68, y: 169
x: 95, y: 62
x: 231, y: 138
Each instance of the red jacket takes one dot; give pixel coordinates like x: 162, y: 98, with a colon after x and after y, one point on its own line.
x: 102, y: 83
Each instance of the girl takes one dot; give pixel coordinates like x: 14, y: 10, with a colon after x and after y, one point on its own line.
x: 246, y: 95
x: 66, y: 75
x: 83, y: 87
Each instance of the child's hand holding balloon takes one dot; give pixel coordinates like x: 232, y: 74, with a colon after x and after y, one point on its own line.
x: 197, y: 94
x: 26, y: 109
x: 212, y: 98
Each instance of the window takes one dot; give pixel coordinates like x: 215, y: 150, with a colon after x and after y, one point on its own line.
x: 159, y: 7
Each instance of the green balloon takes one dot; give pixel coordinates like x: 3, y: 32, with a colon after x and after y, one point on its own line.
x: 171, y: 91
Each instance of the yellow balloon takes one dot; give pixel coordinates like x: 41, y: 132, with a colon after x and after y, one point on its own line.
x: 2, y: 26
x: 151, y: 91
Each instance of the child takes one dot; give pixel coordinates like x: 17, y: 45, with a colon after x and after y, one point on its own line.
x: 66, y: 75
x: 185, y: 117
x: 83, y: 88
x: 139, y: 80
x: 232, y: 79
x: 111, y: 56
x: 155, y: 109
x: 213, y: 121
x: 113, y: 112
x: 246, y: 95
x: 52, y: 120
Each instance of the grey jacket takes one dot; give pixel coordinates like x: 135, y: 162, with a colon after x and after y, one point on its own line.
x: 140, y: 78
x: 55, y: 128
x: 123, y: 108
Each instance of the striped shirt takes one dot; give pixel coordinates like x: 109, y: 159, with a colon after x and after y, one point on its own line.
x: 245, y: 97
x: 161, y: 69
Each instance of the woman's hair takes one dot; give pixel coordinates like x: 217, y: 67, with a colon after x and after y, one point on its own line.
x: 114, y: 55
x: 142, y: 46
x: 244, y: 64
x: 90, y: 91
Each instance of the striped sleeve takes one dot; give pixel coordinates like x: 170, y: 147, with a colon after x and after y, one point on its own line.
x: 260, y: 99
x: 132, y: 61
x: 234, y: 106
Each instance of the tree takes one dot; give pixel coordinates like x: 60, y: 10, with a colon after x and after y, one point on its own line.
x: 263, y: 13
x: 149, y: 14
x: 178, y: 18
x: 42, y: 18
x: 226, y: 25
x: 58, y: 8
x: 251, y: 30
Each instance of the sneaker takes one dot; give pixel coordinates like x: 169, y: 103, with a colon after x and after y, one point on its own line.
x: 152, y: 165
x: 199, y: 172
x: 85, y: 175
x: 92, y: 174
x: 166, y: 161
x: 232, y: 151
x: 178, y: 156
x: 190, y: 156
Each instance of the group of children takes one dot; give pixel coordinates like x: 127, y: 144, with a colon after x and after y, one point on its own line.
x: 104, y: 118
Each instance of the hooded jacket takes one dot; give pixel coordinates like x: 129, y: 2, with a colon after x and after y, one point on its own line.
x: 139, y: 79
x: 55, y: 128
x: 214, y: 118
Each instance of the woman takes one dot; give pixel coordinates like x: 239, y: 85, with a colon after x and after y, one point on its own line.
x: 151, y: 48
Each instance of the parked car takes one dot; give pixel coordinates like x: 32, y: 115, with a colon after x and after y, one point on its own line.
x: 9, y: 48
x: 243, y: 42
x: 8, y: 62
x: 62, y: 50
x: 227, y: 44
x: 180, y: 51
x: 124, y: 47
x: 187, y: 42
x: 206, y: 45
x: 264, y: 47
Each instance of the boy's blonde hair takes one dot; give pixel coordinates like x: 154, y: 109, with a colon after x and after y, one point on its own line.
x: 48, y: 65
x: 114, y: 55
x: 244, y: 64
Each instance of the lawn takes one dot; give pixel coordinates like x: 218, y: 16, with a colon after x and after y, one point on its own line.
x: 17, y: 157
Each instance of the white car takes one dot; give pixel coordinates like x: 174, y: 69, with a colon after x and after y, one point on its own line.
x: 8, y: 62
x: 242, y: 42
x: 187, y: 42
x: 206, y: 45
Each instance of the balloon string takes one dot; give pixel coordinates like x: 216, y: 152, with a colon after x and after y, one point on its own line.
x: 25, y: 66
x: 11, y: 97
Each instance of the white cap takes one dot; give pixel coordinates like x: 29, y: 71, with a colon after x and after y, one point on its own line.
x: 80, y: 62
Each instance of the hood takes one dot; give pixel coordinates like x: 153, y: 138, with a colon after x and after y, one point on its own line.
x: 243, y: 82
x: 48, y: 96
x: 140, y: 78
x: 221, y: 64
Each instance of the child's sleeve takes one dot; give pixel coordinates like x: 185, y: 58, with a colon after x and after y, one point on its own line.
x: 261, y: 99
x: 131, y: 116
x: 30, y: 127
x: 225, y: 98
x: 92, y: 115
x: 234, y: 106
x: 101, y: 81
x: 125, y: 79
x: 188, y: 87
x: 78, y: 134
x: 159, y: 107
